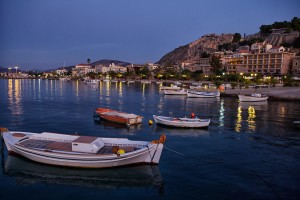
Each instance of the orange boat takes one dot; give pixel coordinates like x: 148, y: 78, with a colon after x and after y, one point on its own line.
x: 117, y: 116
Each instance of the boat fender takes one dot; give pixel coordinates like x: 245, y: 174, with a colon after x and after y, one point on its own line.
x: 3, y: 129
x: 161, y: 139
x: 115, y: 149
x: 120, y: 152
x: 192, y: 115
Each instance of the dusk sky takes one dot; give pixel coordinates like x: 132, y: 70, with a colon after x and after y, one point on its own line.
x: 45, y: 34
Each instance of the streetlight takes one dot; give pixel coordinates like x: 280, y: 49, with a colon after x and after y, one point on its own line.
x: 16, y: 69
x: 9, y: 69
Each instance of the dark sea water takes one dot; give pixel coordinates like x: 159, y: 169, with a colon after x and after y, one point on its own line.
x: 247, y: 152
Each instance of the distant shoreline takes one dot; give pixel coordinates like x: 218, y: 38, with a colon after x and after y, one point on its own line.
x: 274, y: 93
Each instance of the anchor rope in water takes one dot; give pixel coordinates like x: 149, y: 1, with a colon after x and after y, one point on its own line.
x: 173, y: 151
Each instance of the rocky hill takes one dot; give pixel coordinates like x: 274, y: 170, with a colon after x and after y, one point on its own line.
x: 208, y: 43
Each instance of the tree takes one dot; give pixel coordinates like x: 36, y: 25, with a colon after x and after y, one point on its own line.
x: 144, y: 72
x: 88, y: 61
x: 236, y: 37
x: 216, y: 64
x: 265, y: 29
x: 296, y: 43
x: 92, y: 75
x: 205, y: 55
x: 112, y: 74
x: 295, y: 23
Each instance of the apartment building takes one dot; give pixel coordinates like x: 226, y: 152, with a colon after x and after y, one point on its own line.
x: 265, y: 63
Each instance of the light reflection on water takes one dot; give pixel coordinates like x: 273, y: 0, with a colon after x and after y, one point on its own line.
x: 15, y: 96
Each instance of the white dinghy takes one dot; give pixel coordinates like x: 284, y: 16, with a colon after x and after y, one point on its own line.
x: 183, y: 122
x: 253, y: 98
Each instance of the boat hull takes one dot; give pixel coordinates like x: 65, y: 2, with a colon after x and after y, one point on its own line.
x: 244, y: 98
x: 117, y: 117
x: 181, y: 122
x: 146, y: 155
x: 203, y: 94
x: 175, y: 92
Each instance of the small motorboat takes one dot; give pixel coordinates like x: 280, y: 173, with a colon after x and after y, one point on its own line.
x: 175, y: 87
x: 183, y: 122
x: 255, y: 97
x: 175, y: 92
x: 82, y: 151
x: 196, y: 94
x: 91, y: 81
x: 117, y: 116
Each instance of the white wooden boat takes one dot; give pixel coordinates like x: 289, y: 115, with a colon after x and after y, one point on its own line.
x: 175, y: 87
x: 196, y: 94
x: 175, y: 92
x: 82, y: 151
x: 181, y: 122
x: 253, y: 97
x: 91, y: 81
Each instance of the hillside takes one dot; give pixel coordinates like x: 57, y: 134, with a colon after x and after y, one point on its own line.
x: 107, y: 62
x: 208, y: 43
x: 279, y: 33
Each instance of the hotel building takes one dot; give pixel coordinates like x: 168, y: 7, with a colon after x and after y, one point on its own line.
x: 271, y: 63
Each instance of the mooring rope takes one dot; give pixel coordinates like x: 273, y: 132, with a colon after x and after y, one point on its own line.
x: 173, y: 151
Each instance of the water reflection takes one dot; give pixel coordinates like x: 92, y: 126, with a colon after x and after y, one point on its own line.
x: 239, y: 120
x: 15, y: 96
x: 183, y: 132
x: 250, y: 109
x: 125, y: 130
x: 257, y: 105
x: 222, y: 113
x: 251, y: 118
x: 28, y: 172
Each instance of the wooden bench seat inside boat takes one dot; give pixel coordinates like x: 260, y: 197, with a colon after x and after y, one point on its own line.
x: 66, y: 146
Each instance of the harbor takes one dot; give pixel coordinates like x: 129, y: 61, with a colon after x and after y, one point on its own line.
x: 248, y: 149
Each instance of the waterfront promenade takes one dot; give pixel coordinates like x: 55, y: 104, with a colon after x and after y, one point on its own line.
x: 274, y: 93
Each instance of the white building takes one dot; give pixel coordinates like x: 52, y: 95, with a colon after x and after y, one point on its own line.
x: 151, y: 66
x: 111, y: 67
x: 82, y: 69
x: 61, y: 71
